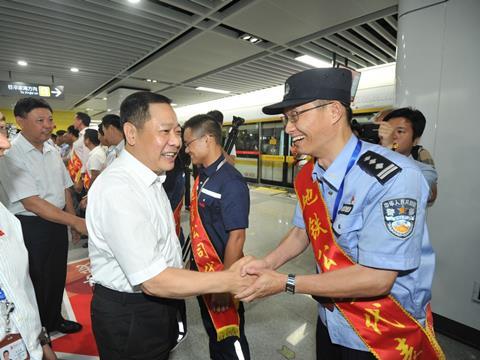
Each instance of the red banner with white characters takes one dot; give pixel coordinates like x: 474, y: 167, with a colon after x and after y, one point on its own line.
x: 386, y: 328
x: 227, y: 323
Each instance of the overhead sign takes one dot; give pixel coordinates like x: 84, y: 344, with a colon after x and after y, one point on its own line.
x: 9, y: 88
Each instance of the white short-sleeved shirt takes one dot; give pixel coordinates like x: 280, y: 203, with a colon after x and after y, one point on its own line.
x: 113, y: 152
x: 16, y: 284
x: 25, y: 172
x: 130, y: 225
x: 80, y: 149
x: 96, y: 160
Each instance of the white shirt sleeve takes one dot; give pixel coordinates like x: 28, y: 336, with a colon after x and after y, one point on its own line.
x: 96, y: 161
x: 17, y: 180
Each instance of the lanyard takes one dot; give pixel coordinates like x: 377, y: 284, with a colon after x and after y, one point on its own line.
x: 218, y: 168
x: 351, y: 162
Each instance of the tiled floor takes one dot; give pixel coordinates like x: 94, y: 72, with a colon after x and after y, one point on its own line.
x: 281, y: 327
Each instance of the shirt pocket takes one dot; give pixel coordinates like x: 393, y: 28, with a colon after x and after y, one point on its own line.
x: 210, y: 208
x: 346, y: 228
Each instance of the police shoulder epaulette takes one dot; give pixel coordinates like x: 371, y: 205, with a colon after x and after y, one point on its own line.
x: 376, y: 165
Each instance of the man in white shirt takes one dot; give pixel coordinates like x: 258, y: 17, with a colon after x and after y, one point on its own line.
x: 37, y: 187
x: 16, y: 287
x: 79, y: 153
x: 135, y: 255
x: 96, y: 158
x: 113, y: 133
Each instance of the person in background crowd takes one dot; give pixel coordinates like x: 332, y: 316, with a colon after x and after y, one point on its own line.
x: 218, y: 222
x: 79, y: 152
x: 69, y: 138
x: 37, y: 186
x: 3, y: 125
x: 64, y: 147
x: 134, y: 251
x: 362, y: 208
x: 96, y: 157
x: 113, y: 134
x: 401, y: 130
x: 16, y: 287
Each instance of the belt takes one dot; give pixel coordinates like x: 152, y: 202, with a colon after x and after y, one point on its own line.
x: 129, y: 298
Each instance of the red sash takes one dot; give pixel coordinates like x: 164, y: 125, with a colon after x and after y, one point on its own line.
x: 227, y: 323
x: 176, y: 215
x: 386, y: 328
x: 74, y: 167
x: 87, y: 180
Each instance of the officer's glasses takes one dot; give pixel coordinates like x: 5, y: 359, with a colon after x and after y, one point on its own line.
x: 293, y: 116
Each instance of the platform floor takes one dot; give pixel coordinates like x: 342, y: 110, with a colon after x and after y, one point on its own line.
x: 281, y: 327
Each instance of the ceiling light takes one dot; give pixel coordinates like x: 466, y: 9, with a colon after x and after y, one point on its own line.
x: 148, y: 80
x: 104, y: 98
x: 109, y: 109
x: 88, y: 109
x: 133, y: 1
x: 22, y: 63
x: 310, y: 60
x: 201, y: 88
x: 250, y: 38
x: 173, y: 104
x: 74, y: 69
x: 154, y: 81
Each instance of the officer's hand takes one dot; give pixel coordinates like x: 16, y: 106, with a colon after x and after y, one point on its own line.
x: 269, y: 282
x: 220, y: 302
x: 48, y: 353
x: 254, y: 266
x: 385, y: 133
x: 80, y: 226
x: 83, y: 203
x: 75, y: 236
x: 239, y: 283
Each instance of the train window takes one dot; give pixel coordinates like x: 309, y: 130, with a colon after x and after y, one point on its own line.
x: 247, y: 151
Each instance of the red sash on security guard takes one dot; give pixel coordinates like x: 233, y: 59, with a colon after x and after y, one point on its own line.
x: 386, y: 328
x: 227, y: 323
x: 176, y: 215
x: 74, y: 167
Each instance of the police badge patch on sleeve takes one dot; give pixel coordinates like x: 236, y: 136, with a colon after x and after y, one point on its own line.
x: 399, y: 216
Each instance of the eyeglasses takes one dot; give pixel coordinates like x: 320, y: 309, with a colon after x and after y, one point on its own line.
x: 294, y: 115
x: 187, y: 144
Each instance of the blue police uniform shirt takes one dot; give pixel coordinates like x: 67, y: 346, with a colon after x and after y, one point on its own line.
x: 223, y: 202
x: 363, y: 228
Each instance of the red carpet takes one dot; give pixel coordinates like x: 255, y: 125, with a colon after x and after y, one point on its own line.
x: 79, y: 295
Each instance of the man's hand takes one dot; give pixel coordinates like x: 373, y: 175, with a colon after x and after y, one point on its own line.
x: 240, y: 283
x: 48, y: 353
x: 75, y: 236
x: 80, y: 226
x: 83, y: 203
x: 220, y: 302
x: 254, y: 266
x: 268, y: 283
x: 385, y: 133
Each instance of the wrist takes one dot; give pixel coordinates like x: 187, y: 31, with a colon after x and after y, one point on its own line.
x: 290, y: 283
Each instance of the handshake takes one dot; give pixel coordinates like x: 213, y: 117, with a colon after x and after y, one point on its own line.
x: 254, y: 279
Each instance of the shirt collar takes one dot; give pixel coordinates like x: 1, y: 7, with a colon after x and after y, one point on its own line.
x: 27, y: 146
x: 212, y: 168
x: 336, y: 171
x: 143, y: 173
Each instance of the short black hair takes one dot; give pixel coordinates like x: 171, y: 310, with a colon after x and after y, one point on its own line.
x: 135, y: 108
x: 61, y: 132
x: 92, y: 135
x: 53, y: 136
x: 205, y: 125
x: 85, y: 118
x: 100, y: 130
x: 112, y: 120
x: 71, y: 130
x: 25, y: 105
x: 217, y: 116
x: 414, y: 116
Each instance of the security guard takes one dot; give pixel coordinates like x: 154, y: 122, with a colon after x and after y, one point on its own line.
x: 362, y: 209
x: 218, y: 218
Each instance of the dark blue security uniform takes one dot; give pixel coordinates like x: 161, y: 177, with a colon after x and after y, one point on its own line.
x: 224, y: 205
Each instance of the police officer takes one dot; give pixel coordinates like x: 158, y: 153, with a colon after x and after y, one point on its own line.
x: 362, y: 209
x: 218, y: 218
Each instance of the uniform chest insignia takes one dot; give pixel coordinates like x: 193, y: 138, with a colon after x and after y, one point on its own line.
x: 376, y: 165
x: 399, y: 216
x: 346, y: 209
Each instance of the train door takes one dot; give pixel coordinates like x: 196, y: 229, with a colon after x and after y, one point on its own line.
x: 247, y: 153
x: 274, y: 151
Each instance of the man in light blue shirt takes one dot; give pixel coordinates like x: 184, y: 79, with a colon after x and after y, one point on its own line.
x: 376, y: 200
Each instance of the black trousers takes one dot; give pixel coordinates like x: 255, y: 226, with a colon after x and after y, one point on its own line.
x: 231, y: 347
x: 326, y: 350
x: 47, y: 245
x: 133, y: 326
